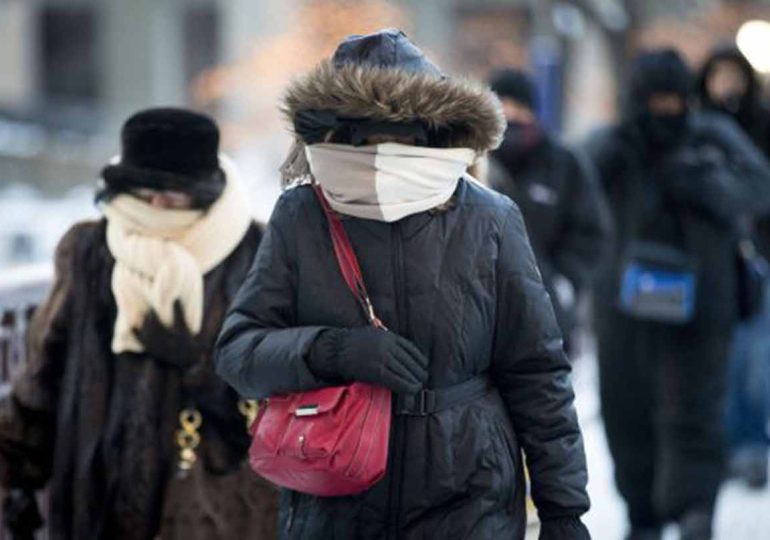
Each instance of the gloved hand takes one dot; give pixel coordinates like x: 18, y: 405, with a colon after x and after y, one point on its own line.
x: 701, y: 183
x: 371, y: 355
x: 564, y: 529
x: 21, y: 515
x: 175, y: 347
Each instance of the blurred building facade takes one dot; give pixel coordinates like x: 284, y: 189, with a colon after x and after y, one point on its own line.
x: 72, y: 70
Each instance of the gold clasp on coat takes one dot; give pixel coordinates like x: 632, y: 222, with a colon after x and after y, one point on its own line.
x: 188, y: 438
x: 249, y: 408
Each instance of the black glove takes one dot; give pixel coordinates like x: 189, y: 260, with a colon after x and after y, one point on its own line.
x: 564, y: 529
x: 705, y: 185
x: 176, y: 346
x: 369, y: 355
x: 21, y: 515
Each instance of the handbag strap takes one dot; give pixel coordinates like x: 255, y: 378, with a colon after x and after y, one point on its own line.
x: 347, y: 261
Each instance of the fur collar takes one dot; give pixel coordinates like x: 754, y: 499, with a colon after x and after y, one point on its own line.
x: 471, y: 111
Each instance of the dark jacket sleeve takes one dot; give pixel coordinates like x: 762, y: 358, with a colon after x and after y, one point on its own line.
x: 585, y: 235
x: 733, y: 181
x: 532, y: 374
x: 261, y: 350
x: 28, y: 411
x: 748, y: 168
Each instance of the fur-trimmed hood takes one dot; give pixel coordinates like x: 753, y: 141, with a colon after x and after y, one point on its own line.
x: 471, y: 111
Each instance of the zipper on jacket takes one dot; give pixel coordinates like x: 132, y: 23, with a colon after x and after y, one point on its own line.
x: 394, y: 497
x: 290, y: 516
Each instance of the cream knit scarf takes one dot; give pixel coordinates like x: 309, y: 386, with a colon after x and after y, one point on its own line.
x: 161, y: 255
x: 387, y: 182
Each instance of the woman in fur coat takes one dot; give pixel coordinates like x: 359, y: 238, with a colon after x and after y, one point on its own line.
x: 117, y: 410
x: 474, y: 356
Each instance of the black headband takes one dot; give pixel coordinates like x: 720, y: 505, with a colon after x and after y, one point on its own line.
x: 313, y: 126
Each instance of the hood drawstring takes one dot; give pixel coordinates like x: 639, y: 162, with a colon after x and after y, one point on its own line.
x: 295, y: 168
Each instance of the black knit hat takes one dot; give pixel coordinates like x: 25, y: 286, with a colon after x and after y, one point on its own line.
x: 515, y: 84
x: 168, y: 149
x: 659, y: 71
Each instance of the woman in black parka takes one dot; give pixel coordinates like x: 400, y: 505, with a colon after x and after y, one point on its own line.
x: 453, y: 278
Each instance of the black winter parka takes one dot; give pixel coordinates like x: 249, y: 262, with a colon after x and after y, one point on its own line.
x: 463, y: 285
x: 691, y: 196
x: 565, y: 211
x: 662, y: 386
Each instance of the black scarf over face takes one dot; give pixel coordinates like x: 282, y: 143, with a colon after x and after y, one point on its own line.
x: 662, y: 131
x: 658, y: 72
x: 520, y: 142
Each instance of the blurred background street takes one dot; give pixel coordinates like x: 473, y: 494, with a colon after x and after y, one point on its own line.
x: 742, y: 513
x: 73, y: 70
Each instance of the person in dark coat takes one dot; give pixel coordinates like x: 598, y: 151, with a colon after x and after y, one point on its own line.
x: 729, y: 85
x: 117, y: 410
x: 450, y: 271
x: 565, y: 212
x: 676, y: 180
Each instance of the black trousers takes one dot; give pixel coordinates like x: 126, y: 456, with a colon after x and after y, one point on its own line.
x: 662, y: 395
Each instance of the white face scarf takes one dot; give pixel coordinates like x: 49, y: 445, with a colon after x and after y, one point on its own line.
x: 161, y: 255
x: 387, y: 182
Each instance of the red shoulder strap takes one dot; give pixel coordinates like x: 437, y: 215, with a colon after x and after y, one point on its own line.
x: 346, y: 259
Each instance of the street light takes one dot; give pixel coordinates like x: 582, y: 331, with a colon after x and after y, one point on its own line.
x: 753, y: 40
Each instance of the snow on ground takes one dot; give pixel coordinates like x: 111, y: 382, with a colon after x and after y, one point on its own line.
x: 31, y: 224
x: 741, y: 514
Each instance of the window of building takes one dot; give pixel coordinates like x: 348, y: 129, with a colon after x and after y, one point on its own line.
x: 201, y: 39
x: 68, y: 49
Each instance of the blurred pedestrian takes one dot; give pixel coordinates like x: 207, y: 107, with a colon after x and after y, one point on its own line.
x: 564, y: 209
x: 677, y: 182
x: 118, y: 411
x: 474, y: 354
x: 729, y: 85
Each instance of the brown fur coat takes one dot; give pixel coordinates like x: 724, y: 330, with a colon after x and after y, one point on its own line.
x: 98, y: 428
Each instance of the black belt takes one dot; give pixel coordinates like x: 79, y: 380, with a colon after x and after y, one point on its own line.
x: 427, y: 402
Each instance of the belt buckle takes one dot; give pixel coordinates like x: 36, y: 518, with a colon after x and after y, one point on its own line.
x: 420, y: 404
x: 423, y: 407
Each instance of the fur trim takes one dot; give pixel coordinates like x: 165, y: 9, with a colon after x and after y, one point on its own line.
x: 471, y: 111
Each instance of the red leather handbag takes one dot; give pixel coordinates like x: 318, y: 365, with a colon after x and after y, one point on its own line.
x: 331, y: 441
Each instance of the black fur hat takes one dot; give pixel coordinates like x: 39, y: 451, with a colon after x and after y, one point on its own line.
x: 168, y: 149
x: 515, y: 84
